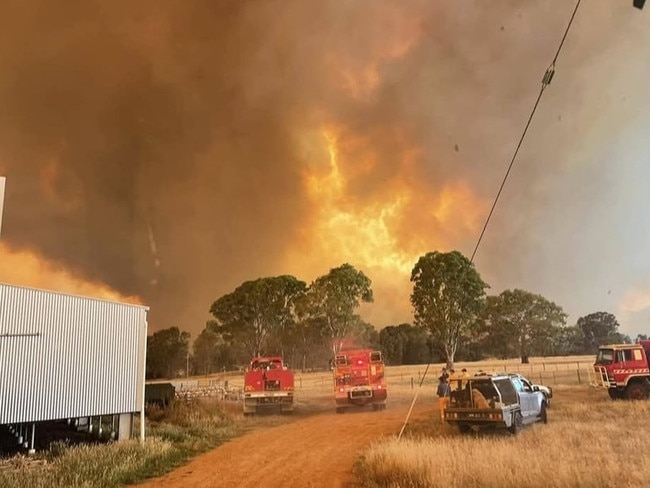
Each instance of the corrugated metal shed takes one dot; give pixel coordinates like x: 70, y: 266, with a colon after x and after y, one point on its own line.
x: 64, y: 356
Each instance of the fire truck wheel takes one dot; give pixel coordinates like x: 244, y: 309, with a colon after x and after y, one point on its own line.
x: 614, y: 394
x: 637, y: 391
x: 340, y: 409
x: 464, y: 428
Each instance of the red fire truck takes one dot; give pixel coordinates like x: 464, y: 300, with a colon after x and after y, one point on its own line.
x: 268, y: 384
x: 359, y: 379
x: 624, y: 370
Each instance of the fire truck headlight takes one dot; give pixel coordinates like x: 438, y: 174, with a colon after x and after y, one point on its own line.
x: 379, y: 387
x: 340, y: 389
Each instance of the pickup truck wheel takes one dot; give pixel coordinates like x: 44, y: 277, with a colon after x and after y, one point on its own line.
x: 517, y: 423
x: 543, y: 414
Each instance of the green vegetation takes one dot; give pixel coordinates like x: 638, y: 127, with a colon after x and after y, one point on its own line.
x: 448, y: 294
x: 256, y: 310
x: 454, y: 320
x: 517, y: 322
x: 167, y: 351
x: 174, y: 436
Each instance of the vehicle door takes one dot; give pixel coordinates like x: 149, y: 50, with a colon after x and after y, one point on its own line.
x: 524, y: 398
x: 535, y: 397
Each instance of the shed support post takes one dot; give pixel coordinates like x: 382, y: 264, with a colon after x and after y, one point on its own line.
x: 31, y: 443
x: 124, y: 427
x: 142, y: 425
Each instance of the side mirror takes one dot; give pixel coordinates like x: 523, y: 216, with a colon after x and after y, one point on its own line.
x: 535, y: 388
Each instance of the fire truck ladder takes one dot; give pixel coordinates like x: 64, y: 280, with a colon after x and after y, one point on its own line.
x: 598, y: 377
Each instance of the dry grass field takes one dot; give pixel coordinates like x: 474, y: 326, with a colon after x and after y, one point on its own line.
x: 589, y: 442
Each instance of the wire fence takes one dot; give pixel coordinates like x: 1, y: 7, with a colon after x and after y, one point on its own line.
x: 554, y: 371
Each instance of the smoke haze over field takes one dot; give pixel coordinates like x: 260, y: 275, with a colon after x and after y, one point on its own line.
x: 169, y: 150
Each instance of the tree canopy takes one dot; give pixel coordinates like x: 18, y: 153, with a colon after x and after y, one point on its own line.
x: 598, y: 328
x: 447, y: 296
x: 522, y: 323
x: 333, y: 299
x: 167, y: 353
x: 256, y: 309
x: 453, y: 320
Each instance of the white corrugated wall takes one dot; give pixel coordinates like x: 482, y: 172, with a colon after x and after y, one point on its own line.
x: 64, y: 356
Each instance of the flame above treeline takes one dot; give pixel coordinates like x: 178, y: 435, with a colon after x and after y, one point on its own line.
x: 170, y: 151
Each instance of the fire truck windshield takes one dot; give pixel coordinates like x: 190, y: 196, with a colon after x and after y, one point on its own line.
x: 605, y: 356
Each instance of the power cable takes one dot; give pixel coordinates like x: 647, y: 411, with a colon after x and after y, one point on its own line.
x: 546, y: 80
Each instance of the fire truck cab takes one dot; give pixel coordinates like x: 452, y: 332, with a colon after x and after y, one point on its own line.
x: 359, y: 379
x: 624, y: 370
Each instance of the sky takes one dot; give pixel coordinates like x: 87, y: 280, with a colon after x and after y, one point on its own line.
x: 163, y: 152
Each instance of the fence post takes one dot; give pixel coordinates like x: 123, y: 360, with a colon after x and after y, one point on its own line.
x: 544, y: 366
x: 411, y: 382
x: 579, y: 379
x: 541, y: 381
x: 554, y: 378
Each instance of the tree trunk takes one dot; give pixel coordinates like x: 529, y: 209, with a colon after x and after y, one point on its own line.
x: 450, y: 357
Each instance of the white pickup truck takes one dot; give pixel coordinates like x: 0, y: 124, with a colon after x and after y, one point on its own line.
x: 495, y: 402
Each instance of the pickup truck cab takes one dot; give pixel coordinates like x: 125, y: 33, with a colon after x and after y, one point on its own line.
x: 495, y: 402
x: 546, y: 390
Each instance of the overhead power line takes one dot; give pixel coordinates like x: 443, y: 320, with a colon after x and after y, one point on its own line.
x: 546, y: 80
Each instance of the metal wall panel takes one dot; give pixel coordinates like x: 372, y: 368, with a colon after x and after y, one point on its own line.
x: 65, y: 356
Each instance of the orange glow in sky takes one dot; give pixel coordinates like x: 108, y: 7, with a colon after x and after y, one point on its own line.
x: 25, y: 268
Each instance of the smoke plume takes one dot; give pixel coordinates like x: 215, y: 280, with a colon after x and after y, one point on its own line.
x: 169, y: 150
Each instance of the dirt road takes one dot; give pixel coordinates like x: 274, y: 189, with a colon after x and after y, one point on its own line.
x: 315, y: 449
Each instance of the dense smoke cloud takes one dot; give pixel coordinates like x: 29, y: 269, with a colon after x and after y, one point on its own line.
x: 173, y: 149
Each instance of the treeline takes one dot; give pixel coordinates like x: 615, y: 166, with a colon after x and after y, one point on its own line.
x: 454, y: 319
x: 274, y: 315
